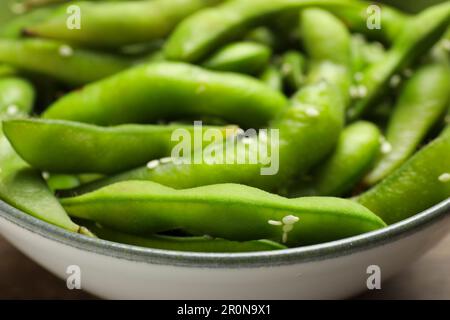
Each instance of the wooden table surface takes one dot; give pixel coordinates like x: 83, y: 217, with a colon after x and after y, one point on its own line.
x: 428, y: 278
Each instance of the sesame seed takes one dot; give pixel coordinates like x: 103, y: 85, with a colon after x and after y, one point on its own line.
x: 447, y: 119
x: 312, y: 112
x: 386, y: 147
x: 354, y: 92
x: 446, y: 44
x: 65, y: 50
x: 286, y: 69
x: 358, y: 76
x: 290, y: 220
x: 153, y: 164
x: 445, y: 177
x: 12, y: 110
x: 395, y: 81
x: 166, y: 160
x: 45, y: 175
x: 362, y: 91
x: 408, y: 73
x: 275, y: 223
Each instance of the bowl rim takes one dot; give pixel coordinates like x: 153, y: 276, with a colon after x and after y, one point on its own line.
x: 289, y: 256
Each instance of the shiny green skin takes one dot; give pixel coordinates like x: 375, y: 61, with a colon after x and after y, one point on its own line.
x: 72, y: 147
x: 415, y: 186
x: 118, y: 24
x: 233, y: 212
x: 241, y: 57
x: 44, y: 57
x: 264, y: 36
x: 418, y: 37
x: 365, y: 53
x: 328, y: 61
x: 16, y: 92
x: 322, y: 34
x: 355, y: 154
x: 303, y: 142
x: 273, y: 78
x: 23, y: 187
x: 6, y: 70
x: 422, y: 103
x: 206, y: 31
x: 62, y: 182
x: 163, y: 91
x: 189, y: 244
x: 293, y: 68
x: 14, y: 28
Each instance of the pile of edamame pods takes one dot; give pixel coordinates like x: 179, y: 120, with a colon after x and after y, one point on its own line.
x: 91, y: 92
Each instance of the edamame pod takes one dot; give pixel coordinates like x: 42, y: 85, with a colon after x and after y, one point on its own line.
x: 264, y: 36
x: 293, y: 68
x: 422, y: 182
x: 16, y: 96
x: 272, y: 77
x: 117, y: 24
x: 356, y: 152
x: 203, y: 32
x: 159, y: 91
x: 364, y: 54
x: 418, y: 37
x: 329, y: 61
x: 307, y: 132
x: 60, y: 61
x: 322, y: 33
x: 25, y: 189
x: 73, y: 147
x: 232, y: 212
x: 13, y: 29
x: 190, y: 244
x: 241, y: 57
x: 423, y: 101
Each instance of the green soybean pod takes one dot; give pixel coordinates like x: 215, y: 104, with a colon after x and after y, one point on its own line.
x: 293, y: 68
x: 307, y: 133
x: 72, y: 147
x: 322, y: 33
x: 329, y: 62
x: 241, y: 57
x: 207, y: 30
x: 189, y: 244
x: 423, y: 101
x: 58, y: 182
x: 364, y: 54
x: 24, y: 188
x: 6, y: 70
x: 14, y: 28
x: 16, y: 96
x: 159, y: 91
x: 60, y: 61
x: 418, y: 37
x: 355, y: 154
x: 273, y: 78
x: 116, y: 24
x: 233, y: 212
x: 422, y: 182
x: 264, y: 36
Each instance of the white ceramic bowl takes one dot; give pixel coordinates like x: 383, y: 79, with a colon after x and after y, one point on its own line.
x: 332, y: 270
